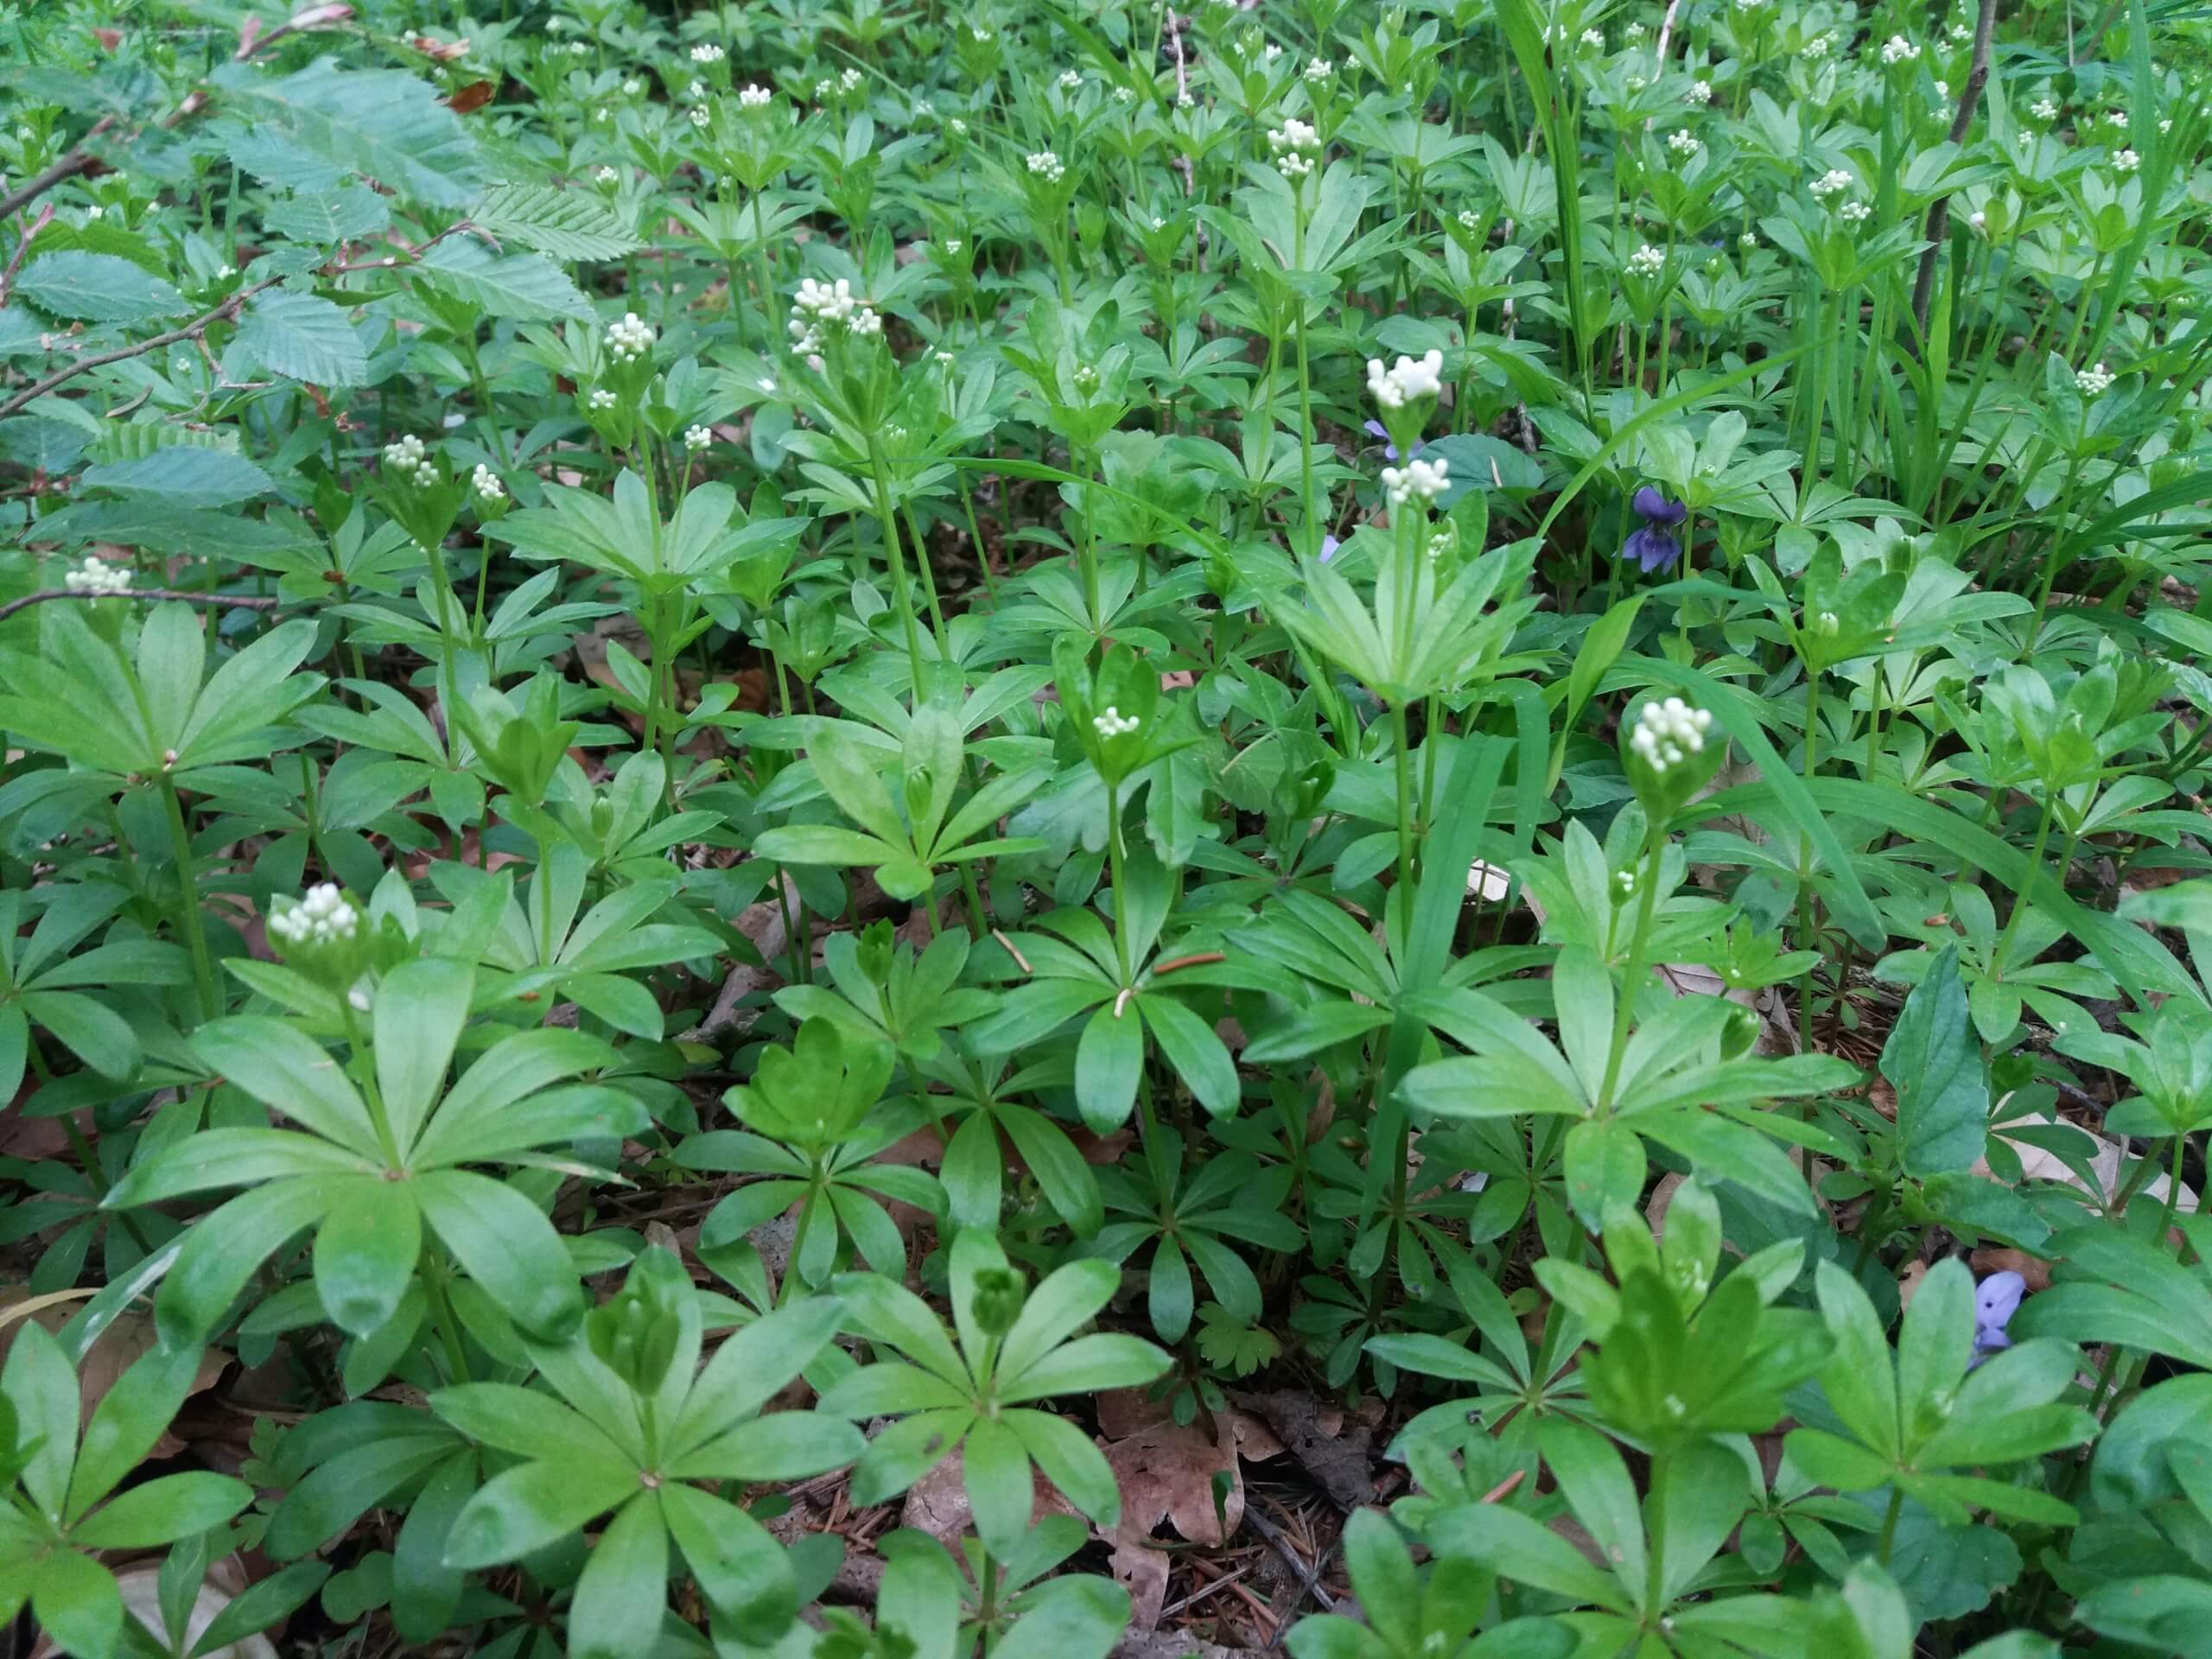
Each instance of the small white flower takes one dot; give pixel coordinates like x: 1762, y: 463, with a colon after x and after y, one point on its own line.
x: 2043, y: 109
x: 851, y: 80
x: 2094, y: 382
x: 1185, y: 101
x: 601, y: 399
x: 224, y: 273
x: 1070, y: 79
x: 96, y: 575
x: 1046, y: 166
x: 828, y: 306
x: 1853, y: 212
x: 1594, y: 39
x: 95, y: 212
x: 2126, y: 160
x: 698, y: 437
x: 944, y: 359
x: 2165, y: 124
x: 1683, y: 141
x: 1634, y: 33
x: 1978, y: 222
x: 1124, y: 95
x: 606, y: 174
x: 1319, y: 70
x: 1748, y: 240
x: 1701, y: 92
x: 1942, y: 89
x: 1831, y: 181
x: 323, y: 917
x: 630, y: 339
x: 1897, y: 49
x: 486, y: 483
x: 755, y: 98
x: 695, y: 91
x: 1410, y: 379
x: 1667, y: 733
x: 1085, y: 378
x: 2115, y: 117
x: 410, y: 459
x: 952, y: 246
x: 1819, y: 46
x: 1648, y: 261
x: 699, y: 116
x: 1294, y: 144
x: 1962, y: 31
x: 957, y: 127
x: 1425, y: 479
x: 1638, y: 83
x: 1159, y: 223
x: 824, y: 90
x: 980, y: 36
x: 1470, y: 220
x: 708, y: 53
x: 633, y: 87
x: 1111, y: 722
x: 1272, y: 53
x: 767, y: 384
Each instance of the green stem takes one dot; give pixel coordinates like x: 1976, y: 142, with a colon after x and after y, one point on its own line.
x: 1405, y: 765
x: 435, y: 1274
x: 2021, y: 902
x: 1890, y: 1524
x: 900, y: 591
x: 189, y: 921
x: 1114, y: 875
x: 1647, y: 900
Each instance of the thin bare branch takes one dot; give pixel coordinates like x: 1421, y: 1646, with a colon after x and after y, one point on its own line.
x: 191, y: 330
x: 240, y: 601
x: 1939, y: 214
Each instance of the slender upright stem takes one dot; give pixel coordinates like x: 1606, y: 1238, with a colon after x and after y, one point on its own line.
x: 1647, y: 899
x: 189, y: 921
x: 1405, y: 766
x: 2021, y: 902
x: 901, y: 591
x: 1114, y: 875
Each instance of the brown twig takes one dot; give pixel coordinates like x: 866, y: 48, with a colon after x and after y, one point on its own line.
x: 1196, y: 959
x: 241, y: 602
x: 15, y: 259
x: 1939, y: 213
x: 191, y: 330
x: 1182, y: 90
x: 79, y: 159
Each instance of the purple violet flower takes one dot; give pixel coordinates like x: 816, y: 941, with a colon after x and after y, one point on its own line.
x: 1996, y: 1300
x: 1654, y: 546
x: 1376, y: 428
x: 1329, y: 546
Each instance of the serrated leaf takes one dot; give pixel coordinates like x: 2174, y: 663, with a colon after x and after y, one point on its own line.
x: 131, y: 440
x: 524, y: 286
x: 185, y: 478
x: 566, y: 224
x: 274, y: 159
x: 157, y: 526
x: 96, y: 288
x: 327, y: 217
x: 381, y: 122
x: 40, y: 443
x: 304, y: 338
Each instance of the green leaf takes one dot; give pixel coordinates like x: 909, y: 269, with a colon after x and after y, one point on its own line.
x: 96, y: 287
x: 537, y: 1504
x: 1934, y: 1061
x: 277, y: 1597
x: 129, y: 1418
x: 421, y: 1008
x: 75, y: 1600
x: 623, y: 1595
x: 184, y: 476
x: 365, y: 1251
x: 743, y: 1570
x: 567, y: 223
x: 328, y: 217
x: 506, y: 1245
x: 1510, y: 1544
x: 303, y: 338
x: 995, y: 1470
x: 163, y: 1511
x: 523, y: 286
x: 380, y: 124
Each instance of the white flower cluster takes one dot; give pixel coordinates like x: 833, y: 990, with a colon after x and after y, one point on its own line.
x: 1668, y: 732
x: 606, y: 175
x: 2092, y: 383
x: 1648, y: 261
x: 1070, y: 79
x: 1425, y: 479
x: 755, y: 98
x: 1683, y: 141
x: 630, y: 339
x: 707, y: 54
x: 1818, y: 47
x: 1962, y: 31
x: 1701, y: 92
x: 1319, y: 70
x: 633, y: 87
x: 1829, y: 182
x: 601, y: 399
x: 1411, y: 378
x: 1111, y: 722
x: 1897, y: 49
x: 830, y: 85
x: 410, y: 459
x: 486, y: 483
x: 1046, y: 166
x: 1594, y: 39
x: 2045, y: 109
x: 822, y: 308
x: 980, y: 36
x: 1853, y: 212
x: 698, y: 437
x: 1294, y: 144
x: 1470, y: 220
x: 96, y: 576
x: 2126, y: 160
x: 1124, y: 95
x: 322, y: 918
x: 2115, y: 117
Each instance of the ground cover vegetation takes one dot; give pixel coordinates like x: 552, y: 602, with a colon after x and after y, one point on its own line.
x: 887, y: 830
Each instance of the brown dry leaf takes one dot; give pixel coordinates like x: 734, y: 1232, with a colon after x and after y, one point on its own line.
x: 474, y: 96
x: 131, y: 1334
x: 1909, y: 1283
x: 1167, y: 1473
x: 1334, y: 1452
x: 937, y: 1502
x: 2032, y: 1268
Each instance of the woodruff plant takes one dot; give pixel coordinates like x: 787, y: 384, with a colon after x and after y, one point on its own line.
x: 767, y: 782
